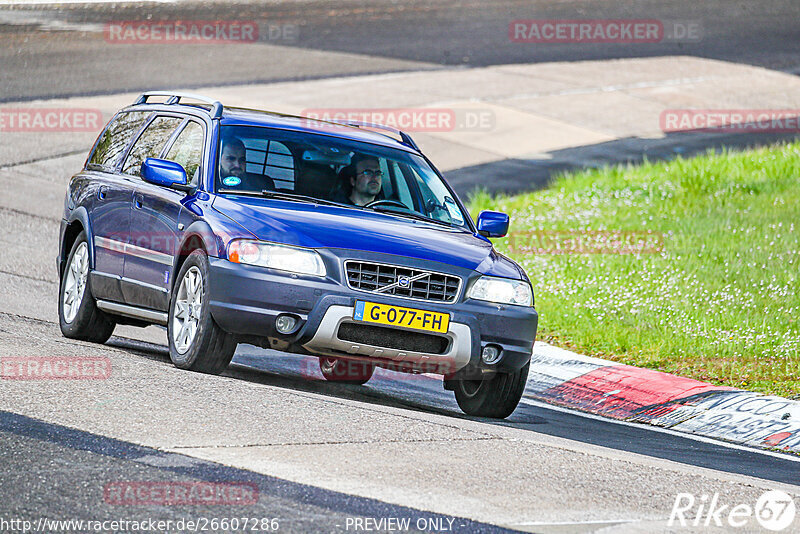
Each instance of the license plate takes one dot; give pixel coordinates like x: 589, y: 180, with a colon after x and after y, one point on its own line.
x: 371, y: 312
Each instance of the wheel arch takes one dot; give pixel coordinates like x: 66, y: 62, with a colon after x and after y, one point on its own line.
x: 77, y: 223
x: 197, y: 237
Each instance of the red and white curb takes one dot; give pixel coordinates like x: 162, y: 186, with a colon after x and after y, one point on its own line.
x: 623, y: 392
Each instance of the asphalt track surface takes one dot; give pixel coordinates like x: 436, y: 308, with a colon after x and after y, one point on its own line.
x: 49, y: 51
x: 54, y: 471
x: 59, y: 443
x: 30, y: 448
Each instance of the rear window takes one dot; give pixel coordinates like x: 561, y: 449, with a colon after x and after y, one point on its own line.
x: 116, y: 137
x: 270, y: 158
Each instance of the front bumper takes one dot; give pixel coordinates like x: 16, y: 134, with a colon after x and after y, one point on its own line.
x: 326, y: 342
x: 246, y: 301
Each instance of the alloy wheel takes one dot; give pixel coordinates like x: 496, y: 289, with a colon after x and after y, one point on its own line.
x: 188, y: 308
x: 75, y: 282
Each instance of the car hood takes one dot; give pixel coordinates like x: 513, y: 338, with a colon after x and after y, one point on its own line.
x: 320, y: 226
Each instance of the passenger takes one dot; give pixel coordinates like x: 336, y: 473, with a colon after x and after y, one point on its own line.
x: 233, y: 159
x: 361, y: 181
x: 233, y: 168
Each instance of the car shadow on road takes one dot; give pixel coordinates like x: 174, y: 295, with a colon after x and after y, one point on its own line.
x: 421, y: 393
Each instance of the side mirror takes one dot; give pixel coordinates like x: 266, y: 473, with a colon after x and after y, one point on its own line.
x: 165, y: 173
x: 492, y: 224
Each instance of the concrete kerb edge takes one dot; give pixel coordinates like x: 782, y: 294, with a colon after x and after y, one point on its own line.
x: 633, y: 394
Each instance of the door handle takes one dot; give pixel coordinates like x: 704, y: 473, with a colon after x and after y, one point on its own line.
x: 101, y: 194
x: 137, y: 201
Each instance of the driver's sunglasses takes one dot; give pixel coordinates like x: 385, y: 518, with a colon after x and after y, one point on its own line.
x: 372, y: 174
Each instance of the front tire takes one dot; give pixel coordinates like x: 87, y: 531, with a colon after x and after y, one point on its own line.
x: 196, y: 342
x: 347, y: 371
x: 78, y: 315
x: 497, y: 397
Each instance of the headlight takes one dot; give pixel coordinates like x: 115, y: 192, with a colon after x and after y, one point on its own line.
x: 281, y: 257
x: 502, y: 290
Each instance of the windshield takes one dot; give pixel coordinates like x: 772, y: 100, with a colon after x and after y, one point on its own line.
x: 284, y: 164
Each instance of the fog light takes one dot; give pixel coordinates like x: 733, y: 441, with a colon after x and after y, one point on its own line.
x: 285, y: 324
x: 490, y: 354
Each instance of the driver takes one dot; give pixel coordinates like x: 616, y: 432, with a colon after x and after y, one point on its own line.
x: 364, y: 176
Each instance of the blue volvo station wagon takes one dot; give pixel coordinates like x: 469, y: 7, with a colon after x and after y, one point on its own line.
x: 230, y: 225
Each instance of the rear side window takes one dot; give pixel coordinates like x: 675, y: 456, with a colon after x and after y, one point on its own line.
x: 187, y: 150
x: 150, y: 143
x: 112, y: 144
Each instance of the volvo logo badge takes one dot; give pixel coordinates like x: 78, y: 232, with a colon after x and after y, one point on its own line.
x: 403, y: 281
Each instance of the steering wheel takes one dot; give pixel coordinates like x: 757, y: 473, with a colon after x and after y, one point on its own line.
x: 384, y: 202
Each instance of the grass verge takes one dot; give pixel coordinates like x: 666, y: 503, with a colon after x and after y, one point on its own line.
x: 688, y: 266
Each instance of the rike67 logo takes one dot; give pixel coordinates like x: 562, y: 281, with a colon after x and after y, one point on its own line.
x: 775, y: 511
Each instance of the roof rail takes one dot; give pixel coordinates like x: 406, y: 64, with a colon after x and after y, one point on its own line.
x: 174, y: 97
x: 406, y: 139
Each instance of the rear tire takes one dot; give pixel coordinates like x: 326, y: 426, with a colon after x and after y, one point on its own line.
x: 78, y: 315
x: 497, y: 397
x: 196, y: 342
x: 347, y: 371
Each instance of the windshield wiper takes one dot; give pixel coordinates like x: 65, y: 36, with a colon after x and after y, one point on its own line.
x: 279, y: 195
x: 411, y: 214
x: 292, y: 196
x: 237, y: 192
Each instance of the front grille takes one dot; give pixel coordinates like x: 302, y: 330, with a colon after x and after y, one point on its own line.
x: 388, y: 280
x: 391, y: 338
